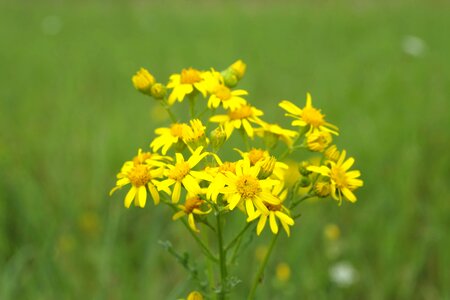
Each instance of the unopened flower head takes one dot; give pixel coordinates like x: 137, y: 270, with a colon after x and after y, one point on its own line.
x: 143, y: 81
x: 318, y: 140
x: 158, y: 91
x: 332, y: 153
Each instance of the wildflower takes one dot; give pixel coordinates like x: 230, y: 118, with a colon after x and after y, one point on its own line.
x: 239, y: 68
x: 218, y: 137
x: 168, y: 137
x: 141, y: 175
x: 308, y: 116
x: 183, y: 84
x: 192, y: 206
x: 244, y: 186
x: 143, y: 81
x: 318, y: 140
x: 322, y: 188
x: 181, y: 174
x: 218, y: 177
x: 283, y: 272
x: 194, y: 135
x: 239, y: 118
x: 259, y: 156
x: 273, y: 132
x: 275, y: 211
x: 342, y: 181
x: 228, y: 98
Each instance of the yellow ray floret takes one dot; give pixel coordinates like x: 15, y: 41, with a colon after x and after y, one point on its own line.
x: 245, y: 187
x: 241, y: 117
x: 274, y: 132
x: 169, y: 137
x: 342, y: 181
x: 192, y: 206
x: 308, y: 116
x: 181, y: 174
x: 140, y: 173
x: 275, y: 212
x: 185, y: 83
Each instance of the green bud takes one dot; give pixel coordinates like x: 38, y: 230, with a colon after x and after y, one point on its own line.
x: 158, y: 91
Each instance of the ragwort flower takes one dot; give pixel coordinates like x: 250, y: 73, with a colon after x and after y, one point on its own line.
x: 240, y: 117
x: 308, y: 116
x: 192, y: 206
x: 183, y: 84
x: 169, y: 137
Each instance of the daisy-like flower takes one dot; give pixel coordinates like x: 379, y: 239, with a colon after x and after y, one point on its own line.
x: 240, y: 117
x: 342, y: 181
x: 318, y: 141
x: 140, y: 173
x: 168, y: 137
x: 185, y: 83
x: 260, y: 157
x: 216, y: 177
x: 230, y: 99
x: 245, y: 187
x: 192, y: 206
x: 274, y: 132
x: 308, y: 116
x: 275, y: 211
x: 181, y: 174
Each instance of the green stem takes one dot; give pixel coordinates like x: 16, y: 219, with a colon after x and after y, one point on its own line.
x: 260, y: 273
x: 200, y: 242
x: 231, y: 244
x: 222, y: 259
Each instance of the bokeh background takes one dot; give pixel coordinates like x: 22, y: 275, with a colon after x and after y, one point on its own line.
x: 69, y: 117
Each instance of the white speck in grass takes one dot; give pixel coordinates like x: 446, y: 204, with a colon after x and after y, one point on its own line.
x: 413, y: 45
x: 51, y: 25
x: 343, y: 274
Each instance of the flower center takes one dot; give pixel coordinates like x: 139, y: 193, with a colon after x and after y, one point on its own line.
x: 176, y: 130
x: 223, y: 93
x: 228, y: 167
x: 312, y: 116
x: 248, y: 186
x: 192, y: 203
x: 255, y: 155
x: 243, y: 112
x: 139, y: 175
x: 339, y: 177
x: 180, y: 171
x: 190, y: 76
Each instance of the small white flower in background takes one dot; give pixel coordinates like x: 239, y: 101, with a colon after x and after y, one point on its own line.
x: 413, y: 45
x: 343, y: 274
x: 51, y: 25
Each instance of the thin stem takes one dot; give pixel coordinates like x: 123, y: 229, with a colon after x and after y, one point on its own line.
x: 222, y: 259
x: 200, y: 242
x: 260, y: 273
x: 237, y: 237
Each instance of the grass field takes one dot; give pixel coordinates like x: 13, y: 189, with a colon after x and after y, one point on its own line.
x: 70, y: 117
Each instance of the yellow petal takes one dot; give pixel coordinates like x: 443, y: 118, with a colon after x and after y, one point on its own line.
x: 142, y: 196
x: 261, y: 224
x: 273, y: 223
x: 129, y: 197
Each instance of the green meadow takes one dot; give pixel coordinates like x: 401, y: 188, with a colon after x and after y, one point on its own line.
x: 70, y: 117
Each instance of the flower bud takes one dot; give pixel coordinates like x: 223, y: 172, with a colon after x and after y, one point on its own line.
x: 194, y: 295
x: 317, y: 141
x: 304, y: 181
x: 238, y: 68
x: 158, y: 91
x: 302, y: 168
x: 332, y: 153
x: 143, y: 81
x: 322, y: 189
x: 267, y: 167
x: 218, y: 136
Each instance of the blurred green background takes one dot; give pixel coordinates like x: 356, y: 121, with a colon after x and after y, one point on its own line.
x: 69, y: 117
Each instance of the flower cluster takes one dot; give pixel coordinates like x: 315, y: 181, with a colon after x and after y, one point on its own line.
x: 186, y: 165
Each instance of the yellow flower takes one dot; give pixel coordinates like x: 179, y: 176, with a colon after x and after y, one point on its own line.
x: 342, y: 181
x: 240, y: 117
x: 259, y: 156
x: 239, y: 68
x: 181, y: 174
x: 244, y: 186
x: 168, y: 137
x: 308, y: 116
x: 229, y: 99
x: 332, y: 153
x: 194, y: 295
x: 318, y: 140
x: 143, y: 81
x: 192, y: 206
x: 185, y: 83
x: 217, y: 175
x: 194, y: 135
x: 140, y: 173
x: 275, y: 211
x: 158, y: 91
x: 322, y: 188
x: 273, y: 132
